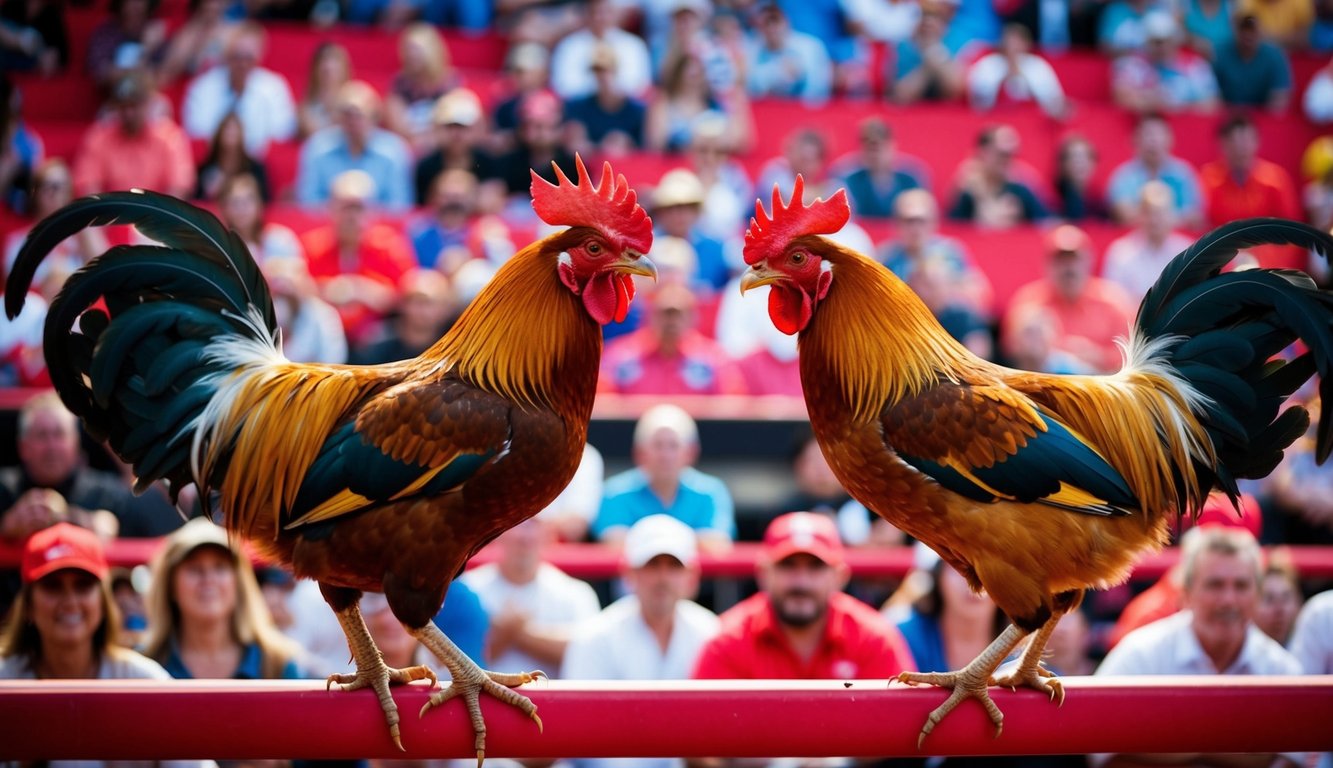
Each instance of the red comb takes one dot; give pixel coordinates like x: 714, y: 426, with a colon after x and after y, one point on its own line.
x: 610, y: 207
x: 769, y: 235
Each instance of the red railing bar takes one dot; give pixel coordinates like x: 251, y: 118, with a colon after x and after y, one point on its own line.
x: 126, y: 720
x: 595, y: 561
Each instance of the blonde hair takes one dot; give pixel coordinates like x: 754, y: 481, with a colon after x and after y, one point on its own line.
x: 432, y: 45
x: 666, y: 416
x: 251, y: 622
x: 1223, y: 540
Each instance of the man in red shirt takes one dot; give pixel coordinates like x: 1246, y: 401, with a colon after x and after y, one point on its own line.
x: 801, y: 625
x: 1241, y: 184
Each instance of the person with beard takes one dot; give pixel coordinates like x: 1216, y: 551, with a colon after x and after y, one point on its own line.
x: 1215, y: 634
x: 801, y: 625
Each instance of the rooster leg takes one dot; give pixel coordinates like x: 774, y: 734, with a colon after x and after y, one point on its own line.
x: 370, y: 667
x: 1030, y: 672
x: 970, y: 681
x: 470, y: 680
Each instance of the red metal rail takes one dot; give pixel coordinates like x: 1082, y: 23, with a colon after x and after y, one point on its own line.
x: 595, y: 561
x: 124, y: 719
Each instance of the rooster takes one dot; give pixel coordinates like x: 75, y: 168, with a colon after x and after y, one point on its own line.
x: 1034, y: 486
x: 378, y: 478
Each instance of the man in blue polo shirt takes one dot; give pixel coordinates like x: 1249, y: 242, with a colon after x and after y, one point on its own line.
x: 664, y: 481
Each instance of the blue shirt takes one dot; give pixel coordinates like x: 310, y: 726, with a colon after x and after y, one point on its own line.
x: 869, y: 199
x: 923, y: 637
x: 1127, y: 180
x: 251, y: 666
x: 599, y: 123
x: 429, y: 238
x: 386, y: 159
x: 463, y: 619
x: 702, y: 502
x: 1251, y: 83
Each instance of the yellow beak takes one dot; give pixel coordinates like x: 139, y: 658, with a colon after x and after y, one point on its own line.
x: 757, y: 275
x: 633, y: 263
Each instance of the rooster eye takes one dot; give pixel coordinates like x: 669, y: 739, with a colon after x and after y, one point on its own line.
x: 798, y: 257
x: 594, y: 249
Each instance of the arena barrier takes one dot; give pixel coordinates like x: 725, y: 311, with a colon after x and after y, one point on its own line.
x: 123, y: 719
x: 596, y: 561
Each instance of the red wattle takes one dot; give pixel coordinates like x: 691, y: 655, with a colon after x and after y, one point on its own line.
x: 624, y: 295
x: 601, y: 297
x: 789, y: 308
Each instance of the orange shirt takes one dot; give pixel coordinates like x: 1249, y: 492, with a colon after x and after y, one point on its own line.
x: 1087, y: 327
x: 383, y: 255
x: 1267, y: 191
x: 158, y: 159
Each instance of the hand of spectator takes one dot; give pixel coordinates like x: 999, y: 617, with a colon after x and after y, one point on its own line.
x: 506, y: 626
x: 36, y: 509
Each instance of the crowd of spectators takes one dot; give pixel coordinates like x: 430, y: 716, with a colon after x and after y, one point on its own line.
x: 410, y: 196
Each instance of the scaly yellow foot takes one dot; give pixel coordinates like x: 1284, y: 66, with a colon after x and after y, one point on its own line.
x: 378, y: 677
x: 470, y: 681
x: 1039, y: 678
x: 968, y: 682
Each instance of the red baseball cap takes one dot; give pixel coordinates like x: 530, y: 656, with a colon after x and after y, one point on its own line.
x: 62, y: 546
x: 803, y: 533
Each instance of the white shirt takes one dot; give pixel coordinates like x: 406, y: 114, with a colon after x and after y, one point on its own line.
x: 618, y: 645
x: 583, y: 495
x: 1169, y: 647
x: 1318, y: 99
x: 571, y: 70
x: 1036, y: 81
x: 1312, y: 637
x: 265, y: 107
x: 552, y: 600
x: 1134, y: 264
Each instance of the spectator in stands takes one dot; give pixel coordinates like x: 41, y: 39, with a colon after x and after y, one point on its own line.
x: 1208, y: 26
x: 199, y: 44
x: 228, y: 157
x: 1215, y: 634
x: 924, y: 68
x: 1285, y: 22
x: 533, y: 607
x: 53, y: 482
x: 1280, y: 597
x: 1136, y: 259
x: 802, y: 625
x: 572, y: 512
x: 972, y: 24
x: 1321, y: 41
x: 1015, y: 75
x: 728, y: 193
x: 1121, y: 28
x: 22, y: 363
x: 20, y: 149
x: 1092, y: 312
x: 312, y: 331
x: 1240, y: 184
x: 988, y: 192
x: 686, y: 96
x: 440, y: 237
x: 607, y: 122
x: 1153, y: 161
x: 207, y: 618
x: 425, y: 74
x: 65, y: 625
x: 357, y: 264
x: 571, y: 70
x: 1317, y: 166
x: 784, y: 63
x: 1029, y: 342
x: 768, y: 364
x: 356, y: 142
x: 665, y: 481
x: 804, y: 152
x: 919, y: 243
x: 817, y: 488
x: 1076, y: 195
x: 888, y: 21
x: 1070, y: 646
x: 241, y: 206
x: 260, y: 97
x: 692, y: 32
x: 33, y: 37
x: 656, y: 631
x: 669, y: 356
x: 52, y: 189
x: 539, y: 143
x: 132, y: 148
x: 835, y: 24
x: 677, y: 207
x: 424, y: 311
x: 527, y: 70
x: 1312, y: 638
x: 1318, y: 99
x: 330, y: 69
x: 130, y: 38
x: 878, y: 178
x: 457, y: 118
x: 1252, y: 71
x: 947, y: 624
x: 1163, y: 77
x: 1301, y: 492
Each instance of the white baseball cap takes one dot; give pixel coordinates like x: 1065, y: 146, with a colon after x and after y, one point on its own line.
x: 660, y: 535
